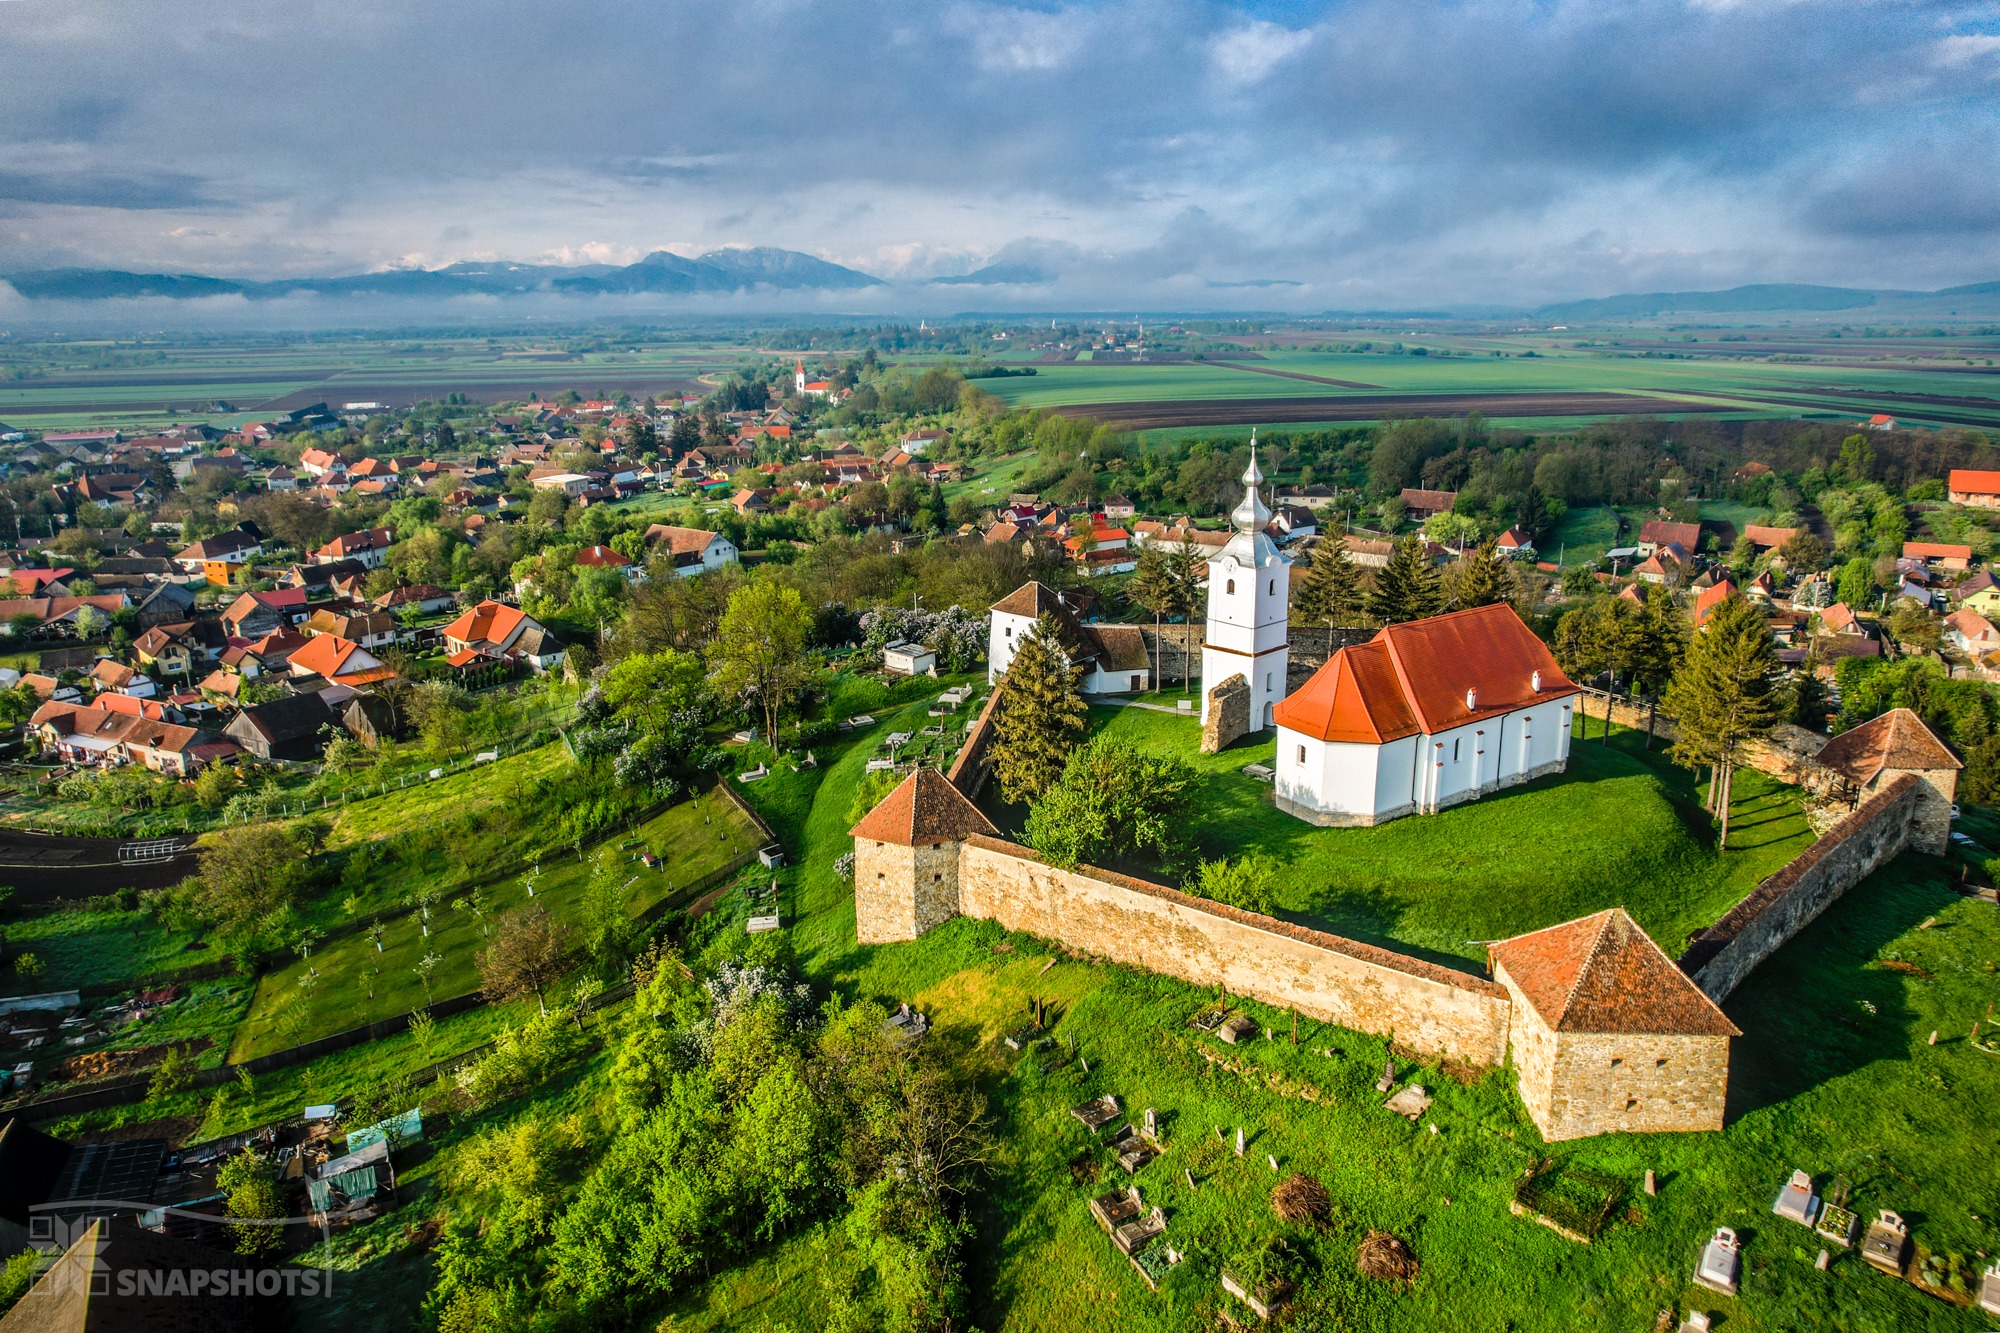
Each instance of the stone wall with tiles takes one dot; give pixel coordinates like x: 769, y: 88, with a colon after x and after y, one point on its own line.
x: 1323, y: 976
x: 1783, y: 905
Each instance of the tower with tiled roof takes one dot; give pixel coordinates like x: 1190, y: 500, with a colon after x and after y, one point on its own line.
x: 1608, y: 1034
x: 1249, y: 605
x: 906, y: 858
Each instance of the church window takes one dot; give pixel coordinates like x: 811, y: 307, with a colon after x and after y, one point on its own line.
x: 1454, y: 749
x: 1231, y: 588
x: 1302, y: 754
x: 1274, y: 587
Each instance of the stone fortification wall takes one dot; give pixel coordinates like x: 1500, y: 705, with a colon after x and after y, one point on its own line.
x: 1323, y: 976
x: 1785, y: 754
x: 1180, y: 658
x: 1788, y: 901
x: 970, y: 767
x: 1228, y: 714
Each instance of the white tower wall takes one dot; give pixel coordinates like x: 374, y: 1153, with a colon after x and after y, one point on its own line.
x: 1249, y: 607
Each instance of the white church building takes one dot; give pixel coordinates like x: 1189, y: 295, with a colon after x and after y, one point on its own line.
x: 1427, y: 714
x: 1113, y: 657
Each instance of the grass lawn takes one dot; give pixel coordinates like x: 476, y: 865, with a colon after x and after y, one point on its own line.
x: 357, y: 984
x: 1583, y: 536
x: 993, y: 483
x: 1834, y: 1076
x: 93, y: 948
x: 1620, y: 828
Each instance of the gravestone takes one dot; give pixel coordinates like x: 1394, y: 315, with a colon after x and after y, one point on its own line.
x: 1239, y: 1143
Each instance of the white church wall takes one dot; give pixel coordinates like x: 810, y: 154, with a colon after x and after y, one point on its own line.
x: 1396, y: 777
x: 1003, y: 638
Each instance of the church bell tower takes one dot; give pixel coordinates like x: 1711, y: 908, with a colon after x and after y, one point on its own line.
x: 1249, y: 604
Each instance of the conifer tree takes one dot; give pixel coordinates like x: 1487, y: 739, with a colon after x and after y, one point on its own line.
x: 1485, y: 577
x: 1407, y: 588
x: 1152, y: 587
x: 1724, y: 696
x: 1662, y: 635
x: 1041, y: 715
x: 1331, y: 592
x: 1186, y: 568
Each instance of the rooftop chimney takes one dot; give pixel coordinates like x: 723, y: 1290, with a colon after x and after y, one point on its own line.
x: 1471, y: 700
x: 1535, y: 682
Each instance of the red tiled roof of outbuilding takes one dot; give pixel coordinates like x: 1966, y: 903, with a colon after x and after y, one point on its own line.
x: 923, y: 810
x: 1601, y: 973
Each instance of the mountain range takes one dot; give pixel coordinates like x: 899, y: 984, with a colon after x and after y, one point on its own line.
x: 767, y: 269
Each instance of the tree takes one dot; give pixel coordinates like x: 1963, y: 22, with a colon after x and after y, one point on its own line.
x: 1151, y: 588
x: 1662, y: 634
x: 1042, y: 715
x: 1856, y: 584
x: 526, y: 956
x: 250, y: 878
x: 1114, y: 801
x: 1485, y: 577
x: 1804, y: 553
x: 1407, y: 588
x: 1331, y: 591
x: 253, y: 1196
x: 1725, y: 696
x: 1186, y: 568
x: 760, y: 649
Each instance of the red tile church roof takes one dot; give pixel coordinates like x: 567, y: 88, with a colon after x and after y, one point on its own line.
x: 1416, y: 676
x: 925, y: 809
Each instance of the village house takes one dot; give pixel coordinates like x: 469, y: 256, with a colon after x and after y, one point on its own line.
x: 1113, y: 656
x: 1711, y: 597
x: 235, y: 547
x: 338, y: 661
x: 62, y: 617
x: 1979, y: 593
x: 173, y: 649
x: 1657, y: 533
x: 367, y: 549
x: 1939, y: 555
x: 1421, y: 504
x: 505, y: 633
x: 427, y: 598
x: 1840, y: 619
x: 1968, y: 486
x: 1515, y: 544
x: 289, y: 728
x: 1766, y: 538
x: 370, y: 629
x: 603, y: 557
x: 254, y: 614
x: 693, y: 550
x: 1970, y: 633
x: 100, y: 737
x: 108, y: 675
x: 919, y: 441
x: 1425, y: 715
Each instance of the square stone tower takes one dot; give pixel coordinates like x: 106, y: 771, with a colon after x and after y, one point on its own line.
x: 1608, y: 1035
x: 1249, y: 606
x: 906, y: 858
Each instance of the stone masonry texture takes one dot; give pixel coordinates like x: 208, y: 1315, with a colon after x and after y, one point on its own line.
x: 1228, y: 714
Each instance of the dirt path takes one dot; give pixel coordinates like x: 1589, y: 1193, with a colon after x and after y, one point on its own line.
x: 1294, y: 375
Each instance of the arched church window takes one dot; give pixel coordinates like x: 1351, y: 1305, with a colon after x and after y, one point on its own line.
x: 1231, y: 588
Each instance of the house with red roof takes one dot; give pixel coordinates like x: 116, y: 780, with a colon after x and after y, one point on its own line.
x: 1425, y: 715
x: 507, y: 633
x: 338, y: 661
x: 1971, y: 486
x: 255, y: 614
x: 1714, y: 595
x: 370, y: 548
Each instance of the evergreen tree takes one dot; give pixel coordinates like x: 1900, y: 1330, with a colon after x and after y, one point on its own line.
x: 1485, y: 577
x: 1331, y: 591
x: 1662, y: 634
x: 1407, y: 588
x: 1724, y: 696
x: 1152, y: 588
x: 1187, y: 566
x: 1041, y: 716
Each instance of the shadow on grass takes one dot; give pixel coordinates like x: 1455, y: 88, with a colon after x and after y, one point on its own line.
x: 1816, y: 1010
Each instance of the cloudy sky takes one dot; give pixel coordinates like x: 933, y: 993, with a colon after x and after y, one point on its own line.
x: 1159, y: 154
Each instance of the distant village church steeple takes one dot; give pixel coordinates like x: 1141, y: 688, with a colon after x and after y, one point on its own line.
x: 1249, y: 603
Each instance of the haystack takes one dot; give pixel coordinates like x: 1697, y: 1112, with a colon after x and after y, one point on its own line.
x: 1302, y: 1201
x: 1386, y: 1258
